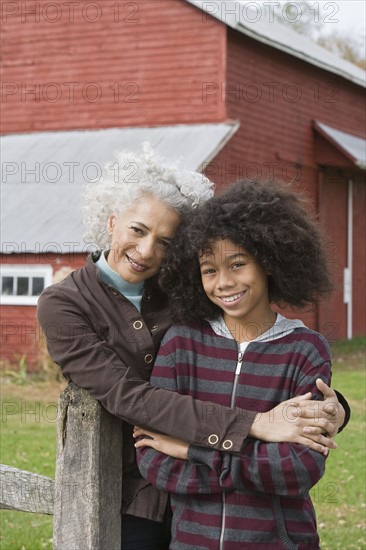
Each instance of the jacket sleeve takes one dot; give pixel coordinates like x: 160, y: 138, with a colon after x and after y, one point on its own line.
x: 283, y: 469
x: 91, y: 363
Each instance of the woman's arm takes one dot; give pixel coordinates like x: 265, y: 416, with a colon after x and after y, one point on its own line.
x: 284, y: 469
x: 92, y: 364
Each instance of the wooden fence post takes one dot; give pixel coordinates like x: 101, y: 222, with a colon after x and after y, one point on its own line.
x: 88, y: 484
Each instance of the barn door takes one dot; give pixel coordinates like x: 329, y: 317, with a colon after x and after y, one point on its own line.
x: 333, y: 215
x: 342, y: 208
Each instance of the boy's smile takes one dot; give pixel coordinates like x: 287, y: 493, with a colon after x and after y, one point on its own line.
x: 234, y: 281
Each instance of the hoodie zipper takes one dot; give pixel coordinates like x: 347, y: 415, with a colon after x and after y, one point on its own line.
x: 236, y: 378
x: 232, y: 401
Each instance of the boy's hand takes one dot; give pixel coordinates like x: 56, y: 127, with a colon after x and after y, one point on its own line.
x: 160, y: 442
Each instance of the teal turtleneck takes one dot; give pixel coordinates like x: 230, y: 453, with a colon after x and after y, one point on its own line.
x: 132, y: 291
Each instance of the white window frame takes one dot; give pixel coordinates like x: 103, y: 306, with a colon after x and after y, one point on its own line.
x: 29, y: 270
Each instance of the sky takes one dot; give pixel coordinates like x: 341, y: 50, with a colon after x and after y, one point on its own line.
x: 346, y: 17
x: 351, y: 15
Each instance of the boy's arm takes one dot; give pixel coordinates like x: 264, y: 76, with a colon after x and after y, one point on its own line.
x: 284, y: 469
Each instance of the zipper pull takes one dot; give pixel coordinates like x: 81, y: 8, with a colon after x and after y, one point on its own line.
x: 238, y: 365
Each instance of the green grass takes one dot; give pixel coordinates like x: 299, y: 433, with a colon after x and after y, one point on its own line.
x: 357, y: 345
x: 339, y: 498
x: 28, y: 442
x: 29, y: 438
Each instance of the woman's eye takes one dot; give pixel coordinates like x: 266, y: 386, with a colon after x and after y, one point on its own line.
x: 164, y: 244
x: 136, y: 229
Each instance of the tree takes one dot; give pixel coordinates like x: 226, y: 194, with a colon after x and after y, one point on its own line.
x: 344, y: 46
x: 308, y: 18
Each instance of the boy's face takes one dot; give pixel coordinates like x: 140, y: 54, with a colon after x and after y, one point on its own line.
x: 236, y: 283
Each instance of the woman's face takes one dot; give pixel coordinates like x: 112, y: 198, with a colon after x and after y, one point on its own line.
x: 140, y: 237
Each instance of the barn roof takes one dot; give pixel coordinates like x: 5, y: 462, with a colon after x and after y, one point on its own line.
x: 353, y: 147
x: 257, y: 26
x: 43, y: 174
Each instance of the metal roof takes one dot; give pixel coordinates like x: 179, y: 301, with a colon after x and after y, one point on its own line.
x: 351, y: 146
x: 43, y: 174
x: 281, y: 37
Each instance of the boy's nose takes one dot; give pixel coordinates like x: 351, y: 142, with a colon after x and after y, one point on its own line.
x: 225, y: 281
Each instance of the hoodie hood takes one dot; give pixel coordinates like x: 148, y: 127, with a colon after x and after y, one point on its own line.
x: 281, y: 327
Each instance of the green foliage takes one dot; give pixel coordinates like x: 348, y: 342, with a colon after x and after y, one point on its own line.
x: 29, y: 443
x: 19, y: 375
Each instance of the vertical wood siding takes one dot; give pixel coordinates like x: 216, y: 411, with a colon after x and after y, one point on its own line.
x: 143, y: 64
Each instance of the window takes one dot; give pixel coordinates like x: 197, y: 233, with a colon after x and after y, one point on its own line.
x: 22, y: 284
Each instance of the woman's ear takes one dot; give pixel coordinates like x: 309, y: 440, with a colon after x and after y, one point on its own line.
x: 110, y: 223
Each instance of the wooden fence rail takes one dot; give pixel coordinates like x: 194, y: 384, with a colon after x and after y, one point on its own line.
x: 86, y: 496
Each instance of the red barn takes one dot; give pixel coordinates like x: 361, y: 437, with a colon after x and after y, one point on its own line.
x: 216, y: 83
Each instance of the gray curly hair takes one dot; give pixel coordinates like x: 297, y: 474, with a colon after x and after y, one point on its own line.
x: 132, y: 177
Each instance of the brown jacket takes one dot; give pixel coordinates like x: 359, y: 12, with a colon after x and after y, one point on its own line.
x: 106, y: 346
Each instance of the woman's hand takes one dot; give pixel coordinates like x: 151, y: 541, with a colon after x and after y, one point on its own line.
x: 160, y: 442
x: 302, y: 420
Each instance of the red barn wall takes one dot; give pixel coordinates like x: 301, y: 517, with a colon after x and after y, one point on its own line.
x: 333, y: 193
x: 20, y: 331
x: 147, y: 64
x: 276, y: 97
x: 124, y: 64
x: 359, y: 256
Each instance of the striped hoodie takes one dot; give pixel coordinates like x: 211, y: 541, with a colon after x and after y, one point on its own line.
x: 259, y: 498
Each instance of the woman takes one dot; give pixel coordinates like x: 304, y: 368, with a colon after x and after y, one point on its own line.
x: 104, y: 322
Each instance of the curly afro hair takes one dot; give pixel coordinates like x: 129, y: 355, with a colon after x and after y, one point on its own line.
x: 272, y: 223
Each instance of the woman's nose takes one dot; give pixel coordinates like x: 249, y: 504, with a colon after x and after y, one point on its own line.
x: 146, y: 248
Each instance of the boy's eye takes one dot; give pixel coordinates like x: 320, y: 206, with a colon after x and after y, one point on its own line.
x: 208, y: 271
x: 238, y: 264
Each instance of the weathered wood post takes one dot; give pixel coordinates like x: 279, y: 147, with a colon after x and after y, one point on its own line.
x: 88, y: 484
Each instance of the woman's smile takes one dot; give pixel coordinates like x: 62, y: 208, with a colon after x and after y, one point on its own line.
x: 135, y: 265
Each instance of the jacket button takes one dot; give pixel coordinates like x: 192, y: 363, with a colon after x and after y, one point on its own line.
x: 115, y: 292
x: 146, y: 296
x: 137, y: 325
x: 148, y: 358
x: 155, y: 327
x: 213, y: 439
x: 227, y: 444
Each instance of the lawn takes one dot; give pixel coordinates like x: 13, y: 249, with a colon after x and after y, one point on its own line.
x: 28, y: 442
